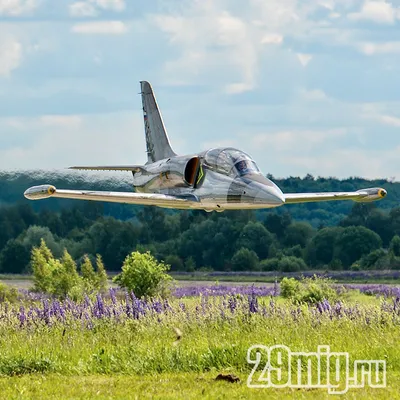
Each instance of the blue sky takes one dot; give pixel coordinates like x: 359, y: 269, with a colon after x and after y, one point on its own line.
x: 304, y: 86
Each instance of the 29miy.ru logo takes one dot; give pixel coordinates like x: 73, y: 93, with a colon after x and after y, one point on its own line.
x: 279, y: 367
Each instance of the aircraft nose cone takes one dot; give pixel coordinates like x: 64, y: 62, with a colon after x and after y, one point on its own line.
x: 269, y: 196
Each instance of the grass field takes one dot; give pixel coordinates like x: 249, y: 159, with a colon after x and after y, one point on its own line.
x: 120, y: 347
x: 164, y: 386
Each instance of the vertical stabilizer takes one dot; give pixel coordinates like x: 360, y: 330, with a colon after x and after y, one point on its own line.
x: 157, y: 141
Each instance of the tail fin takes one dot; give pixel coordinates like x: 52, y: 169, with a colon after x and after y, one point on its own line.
x: 157, y: 141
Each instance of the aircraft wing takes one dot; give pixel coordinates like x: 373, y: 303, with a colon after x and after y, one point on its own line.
x: 361, y: 196
x: 151, y: 199
x: 134, y: 168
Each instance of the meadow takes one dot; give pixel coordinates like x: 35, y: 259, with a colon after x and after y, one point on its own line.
x: 115, y: 345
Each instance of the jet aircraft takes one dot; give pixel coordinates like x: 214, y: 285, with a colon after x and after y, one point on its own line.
x: 217, y: 179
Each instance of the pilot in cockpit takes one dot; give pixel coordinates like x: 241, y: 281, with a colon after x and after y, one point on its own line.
x: 242, y: 167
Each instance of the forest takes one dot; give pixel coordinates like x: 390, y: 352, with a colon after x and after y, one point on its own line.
x: 332, y: 235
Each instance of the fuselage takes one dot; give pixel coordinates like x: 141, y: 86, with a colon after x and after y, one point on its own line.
x: 218, y: 179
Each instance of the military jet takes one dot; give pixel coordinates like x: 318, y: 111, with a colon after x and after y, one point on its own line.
x: 217, y: 179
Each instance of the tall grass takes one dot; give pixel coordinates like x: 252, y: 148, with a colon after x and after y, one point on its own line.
x: 109, y: 335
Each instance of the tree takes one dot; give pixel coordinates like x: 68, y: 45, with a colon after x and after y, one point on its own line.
x: 320, y: 250
x: 34, y: 236
x: 67, y: 276
x: 376, y: 259
x: 358, y: 215
x: 42, y: 262
x: 245, y: 260
x: 380, y: 223
x: 101, y: 274
x: 278, y: 223
x: 355, y: 242
x: 14, y: 258
x: 144, y: 275
x: 270, y: 264
x: 395, y: 246
x: 255, y: 236
x: 175, y: 262
x: 298, y: 233
x: 291, y: 264
x: 88, y: 274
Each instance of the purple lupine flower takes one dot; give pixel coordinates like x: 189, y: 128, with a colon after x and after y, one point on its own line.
x: 157, y: 306
x: 22, y: 316
x: 253, y: 303
x: 112, y: 293
x: 232, y: 302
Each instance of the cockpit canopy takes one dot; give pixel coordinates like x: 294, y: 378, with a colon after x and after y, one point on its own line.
x: 230, y: 161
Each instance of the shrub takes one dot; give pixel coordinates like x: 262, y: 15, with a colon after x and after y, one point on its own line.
x: 291, y: 264
x: 270, y: 264
x: 144, y: 275
x: 8, y: 293
x: 41, y: 267
x: 289, y: 288
x: 308, y: 290
x: 60, y: 277
x: 373, y: 259
x: 245, y: 260
x: 88, y: 274
x: 101, y: 274
x: 175, y: 262
x: 66, y: 277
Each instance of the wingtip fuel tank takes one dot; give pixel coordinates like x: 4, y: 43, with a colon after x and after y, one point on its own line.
x: 40, y: 192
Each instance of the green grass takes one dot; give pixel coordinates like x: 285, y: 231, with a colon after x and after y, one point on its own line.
x: 164, y: 386
x: 124, y: 358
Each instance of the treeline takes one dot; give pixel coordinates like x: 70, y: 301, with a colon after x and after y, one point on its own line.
x: 367, y: 238
x: 335, y: 235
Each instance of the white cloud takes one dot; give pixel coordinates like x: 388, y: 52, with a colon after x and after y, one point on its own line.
x: 272, y: 38
x: 314, y: 95
x: 114, y: 5
x: 100, y: 27
x: 62, y: 141
x: 389, y: 120
x: 209, y: 39
x: 82, y: 9
x: 370, y: 49
x: 304, y: 58
x: 70, y: 121
x: 17, y: 7
x: 295, y: 141
x: 376, y: 11
x: 234, y: 43
x: 236, y: 88
x: 91, y: 8
x: 342, y: 163
x: 10, y: 55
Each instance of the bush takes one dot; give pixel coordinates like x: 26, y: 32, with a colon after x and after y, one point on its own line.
x: 373, y: 259
x: 270, y: 264
x: 88, y: 274
x: 144, y: 275
x: 8, y: 293
x: 60, y: 277
x: 41, y: 262
x: 308, y: 290
x: 101, y: 274
x: 291, y: 264
x: 289, y: 288
x: 245, y: 260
